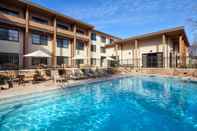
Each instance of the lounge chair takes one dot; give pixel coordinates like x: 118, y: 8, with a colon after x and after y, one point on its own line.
x: 58, y: 78
x: 88, y: 73
x: 77, y: 75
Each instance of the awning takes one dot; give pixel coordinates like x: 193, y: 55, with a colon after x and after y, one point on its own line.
x: 38, y: 53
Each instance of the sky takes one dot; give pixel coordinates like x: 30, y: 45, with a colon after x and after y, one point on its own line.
x: 126, y: 18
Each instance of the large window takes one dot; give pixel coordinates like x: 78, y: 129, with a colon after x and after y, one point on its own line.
x: 93, y: 36
x: 111, y: 41
x: 93, y: 61
x: 63, y: 26
x: 152, y: 60
x: 80, y: 45
x: 9, y: 34
x: 9, y: 61
x: 62, y: 60
x: 79, y: 61
x: 62, y: 42
x: 39, y: 20
x: 37, y: 61
x: 103, y: 39
x: 103, y: 50
x: 39, y: 38
x: 81, y: 31
x: 93, y: 48
x: 8, y: 11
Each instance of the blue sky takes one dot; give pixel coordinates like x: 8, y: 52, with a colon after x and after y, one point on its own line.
x: 126, y: 18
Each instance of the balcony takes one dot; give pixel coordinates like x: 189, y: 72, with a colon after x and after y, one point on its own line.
x: 67, y: 33
x: 12, y: 19
x: 83, y: 37
x: 42, y: 27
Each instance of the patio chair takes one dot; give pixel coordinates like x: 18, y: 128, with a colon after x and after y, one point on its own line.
x: 77, y: 75
x: 58, y: 78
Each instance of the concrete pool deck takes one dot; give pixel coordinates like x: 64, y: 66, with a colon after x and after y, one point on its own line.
x: 50, y: 85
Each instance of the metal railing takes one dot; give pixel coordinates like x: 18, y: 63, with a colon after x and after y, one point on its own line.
x: 164, y: 62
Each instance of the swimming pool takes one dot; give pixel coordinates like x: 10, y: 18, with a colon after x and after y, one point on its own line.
x: 132, y: 103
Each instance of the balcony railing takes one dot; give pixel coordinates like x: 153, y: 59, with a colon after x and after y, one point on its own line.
x: 42, y: 27
x: 83, y: 37
x: 12, y: 19
x: 68, y: 33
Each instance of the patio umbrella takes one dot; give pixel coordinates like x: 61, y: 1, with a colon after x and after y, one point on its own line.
x: 37, y: 54
x: 111, y: 59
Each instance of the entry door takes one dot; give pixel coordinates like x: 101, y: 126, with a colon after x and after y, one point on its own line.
x: 152, y: 60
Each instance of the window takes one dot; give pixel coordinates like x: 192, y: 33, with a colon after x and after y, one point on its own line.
x: 93, y: 36
x: 111, y: 41
x: 81, y: 31
x: 63, y: 26
x: 8, y: 11
x: 37, y: 61
x: 9, y: 34
x: 62, y: 42
x: 103, y: 39
x: 93, y: 48
x: 62, y: 60
x: 80, y: 45
x: 39, y: 20
x: 9, y: 61
x: 103, y: 50
x: 93, y: 61
x: 39, y: 38
x: 79, y: 61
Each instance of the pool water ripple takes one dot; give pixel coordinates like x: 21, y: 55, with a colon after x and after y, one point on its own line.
x: 132, y: 103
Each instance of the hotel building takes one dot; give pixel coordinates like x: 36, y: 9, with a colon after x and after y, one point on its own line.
x: 163, y: 49
x: 26, y: 27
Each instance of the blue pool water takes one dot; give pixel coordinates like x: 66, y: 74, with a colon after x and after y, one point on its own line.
x: 133, y: 103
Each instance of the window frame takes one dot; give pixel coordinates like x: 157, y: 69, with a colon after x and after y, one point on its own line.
x: 93, y: 48
x: 103, y: 39
x: 42, y: 38
x: 62, y: 44
x: 40, y: 20
x: 9, y: 11
x: 78, y: 47
x: 8, y: 34
x: 93, y: 36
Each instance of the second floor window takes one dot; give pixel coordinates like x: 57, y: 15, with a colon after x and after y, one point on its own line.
x: 93, y: 48
x: 103, y: 39
x: 111, y: 41
x: 93, y: 36
x: 62, y: 42
x: 39, y: 39
x: 39, y: 20
x: 81, y: 31
x: 80, y: 45
x: 8, y: 11
x: 63, y: 26
x: 9, y: 34
x: 103, y: 50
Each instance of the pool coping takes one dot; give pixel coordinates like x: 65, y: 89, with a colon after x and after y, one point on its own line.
x: 84, y: 82
x: 59, y: 86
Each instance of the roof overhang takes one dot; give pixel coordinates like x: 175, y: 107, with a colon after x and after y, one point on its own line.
x: 54, y: 13
x: 178, y: 31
